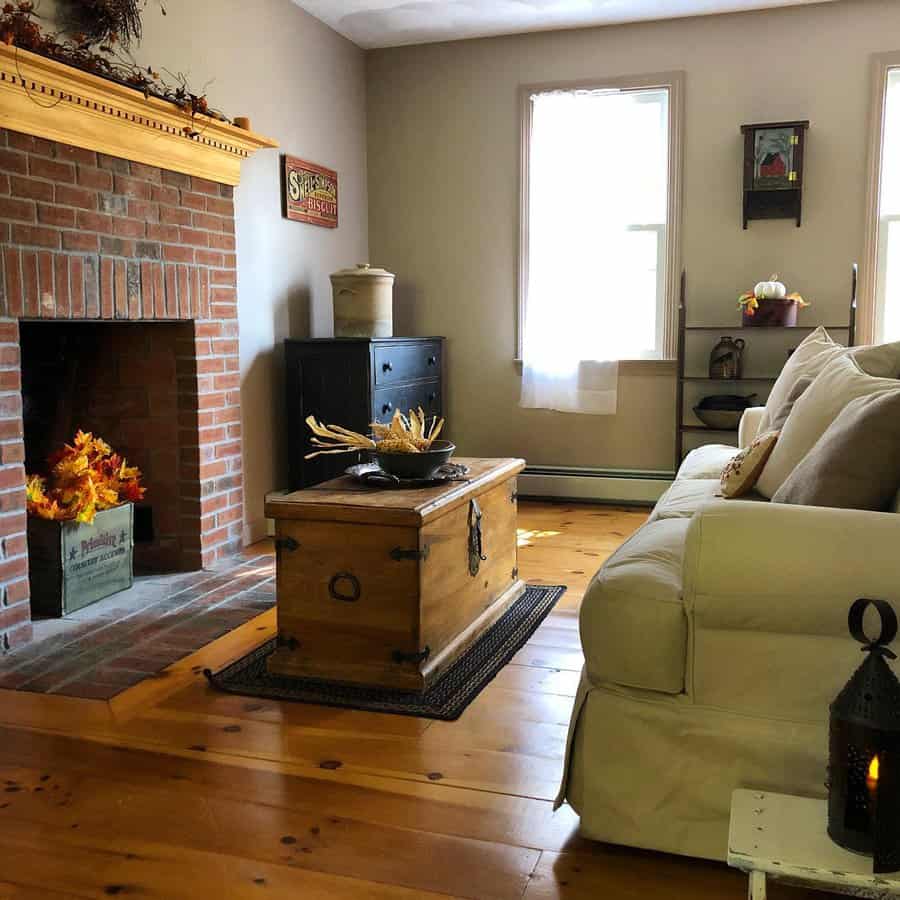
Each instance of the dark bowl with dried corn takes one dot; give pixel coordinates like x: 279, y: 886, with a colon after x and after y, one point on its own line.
x: 422, y: 465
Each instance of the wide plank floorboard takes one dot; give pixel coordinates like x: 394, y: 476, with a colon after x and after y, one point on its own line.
x: 176, y: 792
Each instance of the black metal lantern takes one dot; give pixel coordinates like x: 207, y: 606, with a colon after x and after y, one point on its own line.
x: 864, y: 752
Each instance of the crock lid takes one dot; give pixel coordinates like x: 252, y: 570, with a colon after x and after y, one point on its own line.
x: 362, y: 270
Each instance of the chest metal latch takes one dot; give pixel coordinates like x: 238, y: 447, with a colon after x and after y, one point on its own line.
x: 476, y: 547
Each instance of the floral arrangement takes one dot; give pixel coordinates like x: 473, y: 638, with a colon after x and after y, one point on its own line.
x: 404, y: 434
x: 101, y: 33
x: 85, y: 476
x: 772, y: 289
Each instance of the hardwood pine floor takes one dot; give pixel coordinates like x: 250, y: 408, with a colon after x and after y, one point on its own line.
x: 170, y: 791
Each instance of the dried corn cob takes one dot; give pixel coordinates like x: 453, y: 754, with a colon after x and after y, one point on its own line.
x: 403, y: 434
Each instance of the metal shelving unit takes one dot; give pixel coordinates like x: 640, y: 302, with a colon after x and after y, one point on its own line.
x: 683, y: 328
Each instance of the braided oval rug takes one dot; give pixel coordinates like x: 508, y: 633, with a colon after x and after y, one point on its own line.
x: 445, y: 699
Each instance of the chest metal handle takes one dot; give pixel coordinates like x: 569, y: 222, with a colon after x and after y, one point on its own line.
x: 388, y: 367
x: 355, y: 589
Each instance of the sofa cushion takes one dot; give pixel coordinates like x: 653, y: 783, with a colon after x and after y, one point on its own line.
x: 780, y: 417
x: 856, y: 462
x: 633, y: 628
x: 706, y: 462
x: 685, y: 497
x: 882, y: 360
x: 842, y: 380
x: 814, y: 352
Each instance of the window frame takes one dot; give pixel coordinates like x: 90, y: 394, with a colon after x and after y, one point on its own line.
x: 667, y: 328
x: 870, y: 300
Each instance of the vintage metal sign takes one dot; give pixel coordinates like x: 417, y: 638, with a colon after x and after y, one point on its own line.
x: 310, y: 193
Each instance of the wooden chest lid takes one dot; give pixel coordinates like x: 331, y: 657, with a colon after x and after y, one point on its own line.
x: 346, y: 500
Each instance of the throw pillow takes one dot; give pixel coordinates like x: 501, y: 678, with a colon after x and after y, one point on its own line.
x: 856, y: 463
x: 810, y: 357
x: 740, y: 473
x: 841, y: 381
x: 796, y: 393
x: 882, y: 360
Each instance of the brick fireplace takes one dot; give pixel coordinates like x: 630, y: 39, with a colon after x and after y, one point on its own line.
x: 118, y: 286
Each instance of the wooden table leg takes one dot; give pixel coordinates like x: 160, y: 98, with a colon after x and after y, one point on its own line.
x: 757, y: 886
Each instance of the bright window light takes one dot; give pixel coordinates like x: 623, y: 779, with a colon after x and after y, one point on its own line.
x: 598, y: 191
x: 887, y: 325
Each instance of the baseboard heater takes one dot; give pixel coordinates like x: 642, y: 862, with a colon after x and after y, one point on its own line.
x: 642, y: 487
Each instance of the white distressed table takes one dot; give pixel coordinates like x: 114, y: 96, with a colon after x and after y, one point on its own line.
x: 785, y: 838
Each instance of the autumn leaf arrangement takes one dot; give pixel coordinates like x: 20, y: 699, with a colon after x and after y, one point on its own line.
x: 84, y: 477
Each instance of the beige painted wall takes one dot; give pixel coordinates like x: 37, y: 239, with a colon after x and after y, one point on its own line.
x: 304, y: 85
x: 443, y: 196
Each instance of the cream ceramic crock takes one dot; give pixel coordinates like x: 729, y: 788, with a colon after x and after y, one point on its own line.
x: 363, y: 302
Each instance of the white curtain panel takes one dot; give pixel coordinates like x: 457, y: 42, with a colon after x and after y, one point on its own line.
x: 598, y: 191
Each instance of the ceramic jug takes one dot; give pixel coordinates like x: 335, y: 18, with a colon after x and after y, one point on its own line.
x: 726, y: 359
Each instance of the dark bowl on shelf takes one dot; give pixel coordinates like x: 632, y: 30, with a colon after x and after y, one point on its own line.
x: 727, y: 402
x: 722, y: 419
x: 416, y: 465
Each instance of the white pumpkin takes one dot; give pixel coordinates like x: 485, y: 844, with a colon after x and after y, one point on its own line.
x: 770, y: 290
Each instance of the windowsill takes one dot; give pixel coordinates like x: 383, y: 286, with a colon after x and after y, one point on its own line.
x: 663, y: 367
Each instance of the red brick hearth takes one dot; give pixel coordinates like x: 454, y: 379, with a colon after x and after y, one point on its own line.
x: 94, y: 238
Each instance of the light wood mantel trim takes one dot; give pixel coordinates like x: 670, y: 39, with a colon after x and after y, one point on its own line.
x: 45, y: 98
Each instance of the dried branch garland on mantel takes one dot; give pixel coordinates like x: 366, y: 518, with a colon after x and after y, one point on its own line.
x: 96, y: 37
x: 105, y: 21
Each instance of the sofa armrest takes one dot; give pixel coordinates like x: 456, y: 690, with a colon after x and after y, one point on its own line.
x: 767, y: 588
x: 792, y: 569
x: 749, y: 425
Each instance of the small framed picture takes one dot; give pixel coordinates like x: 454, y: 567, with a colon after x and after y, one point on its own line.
x: 309, y: 193
x: 773, y: 158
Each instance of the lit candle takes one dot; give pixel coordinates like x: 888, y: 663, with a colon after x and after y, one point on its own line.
x: 872, y: 785
x: 872, y: 776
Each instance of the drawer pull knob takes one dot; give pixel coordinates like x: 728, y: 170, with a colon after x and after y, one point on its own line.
x: 387, y: 407
x: 287, y: 543
x: 388, y: 367
x: 432, y: 397
x: 432, y: 360
x: 355, y: 590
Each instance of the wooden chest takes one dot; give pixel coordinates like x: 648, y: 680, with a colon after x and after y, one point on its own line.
x: 389, y: 587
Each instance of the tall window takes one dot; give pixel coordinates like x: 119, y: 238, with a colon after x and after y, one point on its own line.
x: 598, y: 235
x: 887, y: 283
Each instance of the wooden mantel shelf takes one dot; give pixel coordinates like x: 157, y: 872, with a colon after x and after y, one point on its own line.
x: 51, y: 100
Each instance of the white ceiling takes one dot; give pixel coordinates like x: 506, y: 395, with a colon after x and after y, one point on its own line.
x: 390, y: 23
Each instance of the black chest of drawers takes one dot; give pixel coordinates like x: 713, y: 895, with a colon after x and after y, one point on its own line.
x: 353, y: 382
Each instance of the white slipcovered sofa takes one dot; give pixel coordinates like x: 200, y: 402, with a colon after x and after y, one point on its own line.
x: 714, y: 640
